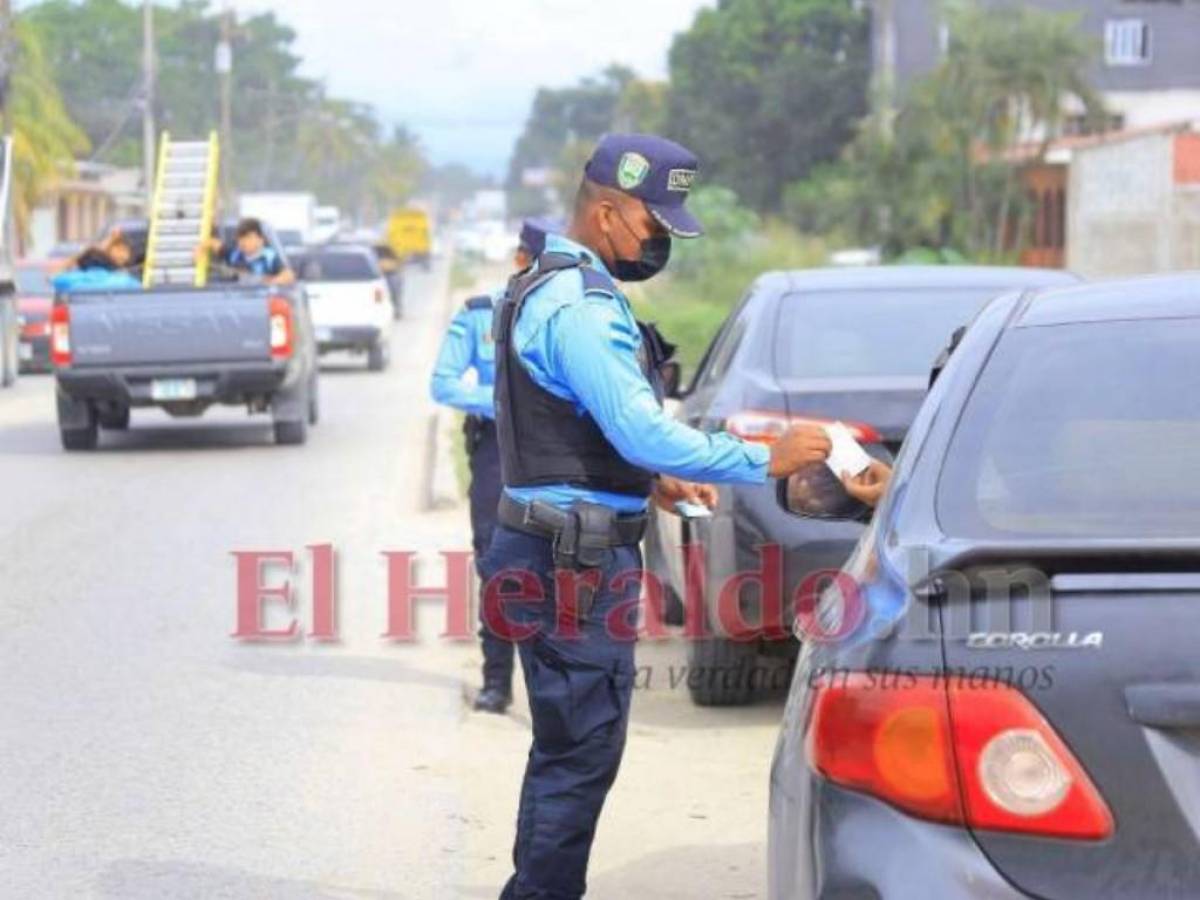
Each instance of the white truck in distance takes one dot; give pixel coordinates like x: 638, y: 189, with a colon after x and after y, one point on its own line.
x: 293, y: 216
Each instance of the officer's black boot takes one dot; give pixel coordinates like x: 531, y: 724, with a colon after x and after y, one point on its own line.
x: 493, y: 698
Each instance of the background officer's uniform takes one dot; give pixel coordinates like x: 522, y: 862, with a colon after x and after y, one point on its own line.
x: 582, y: 435
x: 468, y: 346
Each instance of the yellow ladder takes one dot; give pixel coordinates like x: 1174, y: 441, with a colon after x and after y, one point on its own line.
x: 181, y: 219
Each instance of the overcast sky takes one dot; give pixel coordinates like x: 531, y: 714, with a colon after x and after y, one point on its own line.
x: 462, y: 73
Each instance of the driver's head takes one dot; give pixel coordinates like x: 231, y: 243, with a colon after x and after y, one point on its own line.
x: 250, y: 238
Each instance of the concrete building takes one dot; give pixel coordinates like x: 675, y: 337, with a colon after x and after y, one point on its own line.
x: 79, y: 206
x: 1134, y: 203
x: 1148, y: 71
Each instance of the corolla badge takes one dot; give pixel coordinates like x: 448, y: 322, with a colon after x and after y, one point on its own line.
x: 1035, y: 640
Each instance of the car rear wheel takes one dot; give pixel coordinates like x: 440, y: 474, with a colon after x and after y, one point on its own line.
x: 314, y: 403
x: 377, y: 356
x: 291, y: 433
x: 721, y: 671
x: 114, y: 419
x: 80, y: 438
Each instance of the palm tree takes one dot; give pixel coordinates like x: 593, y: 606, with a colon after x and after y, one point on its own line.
x: 45, y: 140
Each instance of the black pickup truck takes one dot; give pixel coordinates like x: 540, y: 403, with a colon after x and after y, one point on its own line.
x: 183, y: 349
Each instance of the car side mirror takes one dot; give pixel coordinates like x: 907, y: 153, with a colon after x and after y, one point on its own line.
x: 815, y: 493
x: 672, y: 379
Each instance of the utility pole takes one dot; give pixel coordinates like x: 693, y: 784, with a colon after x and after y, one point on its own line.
x: 224, y: 66
x: 149, y: 135
x: 885, y: 60
x: 7, y: 54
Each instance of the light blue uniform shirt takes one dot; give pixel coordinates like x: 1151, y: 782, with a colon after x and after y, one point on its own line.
x: 583, y: 348
x: 467, y: 345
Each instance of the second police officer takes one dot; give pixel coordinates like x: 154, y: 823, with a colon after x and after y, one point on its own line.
x: 585, y: 445
x: 468, y: 347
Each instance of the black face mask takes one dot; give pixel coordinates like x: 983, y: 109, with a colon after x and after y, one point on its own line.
x: 655, y: 252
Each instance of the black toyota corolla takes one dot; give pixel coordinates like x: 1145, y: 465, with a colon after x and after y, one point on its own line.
x: 1000, y: 696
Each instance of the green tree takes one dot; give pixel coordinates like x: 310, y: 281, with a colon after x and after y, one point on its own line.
x: 45, y: 140
x: 288, y: 134
x: 763, y: 90
x: 561, y: 122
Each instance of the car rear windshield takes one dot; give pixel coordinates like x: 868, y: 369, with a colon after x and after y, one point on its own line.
x: 1083, y: 430
x: 335, y: 267
x: 871, y: 333
x: 33, y: 281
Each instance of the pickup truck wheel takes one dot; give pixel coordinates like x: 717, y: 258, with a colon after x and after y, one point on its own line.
x: 291, y: 433
x: 720, y: 671
x: 114, y: 419
x: 81, y: 438
x: 314, y: 403
x: 377, y: 356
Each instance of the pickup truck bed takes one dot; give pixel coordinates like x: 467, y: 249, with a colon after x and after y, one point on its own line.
x: 183, y: 349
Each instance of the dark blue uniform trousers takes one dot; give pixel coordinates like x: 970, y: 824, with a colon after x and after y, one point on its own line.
x: 580, y: 681
x: 483, y: 451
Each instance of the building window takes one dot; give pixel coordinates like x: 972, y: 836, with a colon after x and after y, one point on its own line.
x: 1126, y: 42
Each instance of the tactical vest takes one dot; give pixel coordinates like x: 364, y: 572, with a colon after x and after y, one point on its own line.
x: 543, y: 440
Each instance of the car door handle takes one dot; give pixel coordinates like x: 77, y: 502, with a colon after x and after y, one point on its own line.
x: 1168, y: 705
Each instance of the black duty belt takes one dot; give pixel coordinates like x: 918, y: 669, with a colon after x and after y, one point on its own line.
x: 580, y: 533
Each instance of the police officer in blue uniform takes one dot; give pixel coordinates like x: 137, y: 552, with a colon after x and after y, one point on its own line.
x: 468, y: 346
x: 584, y: 446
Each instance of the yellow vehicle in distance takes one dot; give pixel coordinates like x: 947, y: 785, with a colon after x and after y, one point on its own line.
x: 408, y: 235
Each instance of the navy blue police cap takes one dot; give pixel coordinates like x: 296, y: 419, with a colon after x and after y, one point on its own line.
x: 534, y: 231
x: 656, y: 171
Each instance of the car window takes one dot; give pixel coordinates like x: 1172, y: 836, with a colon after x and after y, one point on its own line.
x: 871, y: 333
x: 334, y: 267
x: 724, y: 352
x: 1080, y: 430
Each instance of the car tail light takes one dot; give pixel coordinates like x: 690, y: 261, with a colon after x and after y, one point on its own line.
x: 766, y: 427
x: 379, y: 295
x: 980, y: 756
x: 280, y: 313
x: 60, y: 335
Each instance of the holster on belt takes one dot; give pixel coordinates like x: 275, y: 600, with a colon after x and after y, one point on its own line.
x: 474, y: 428
x: 582, y: 536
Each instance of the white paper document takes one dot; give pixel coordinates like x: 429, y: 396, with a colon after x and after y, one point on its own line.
x: 848, y: 454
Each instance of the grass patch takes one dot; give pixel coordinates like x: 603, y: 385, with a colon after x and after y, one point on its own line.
x: 463, y: 273
x: 462, y: 465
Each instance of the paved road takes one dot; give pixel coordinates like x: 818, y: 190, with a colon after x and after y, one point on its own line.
x: 145, y: 753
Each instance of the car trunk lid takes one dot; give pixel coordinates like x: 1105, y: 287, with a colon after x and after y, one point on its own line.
x: 1103, y: 644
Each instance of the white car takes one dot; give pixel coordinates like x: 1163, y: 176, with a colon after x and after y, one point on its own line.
x: 348, y: 298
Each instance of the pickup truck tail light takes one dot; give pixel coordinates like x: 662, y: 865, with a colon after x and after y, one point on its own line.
x: 60, y: 335
x: 281, y: 328
x: 977, y: 754
x: 766, y: 427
